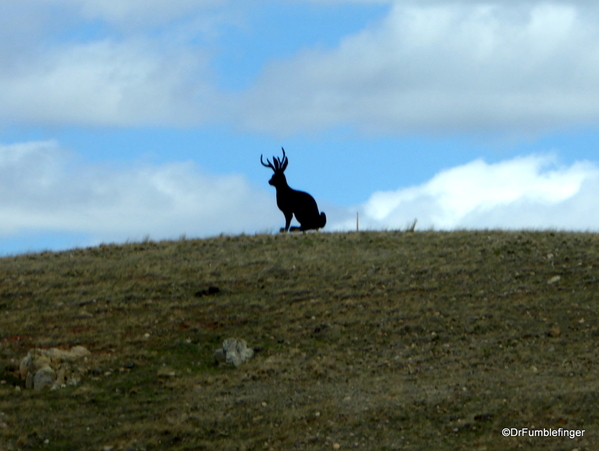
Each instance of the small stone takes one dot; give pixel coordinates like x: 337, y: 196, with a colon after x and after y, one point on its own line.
x: 44, y: 378
x: 554, y: 279
x: 554, y: 332
x: 166, y: 372
x: 80, y: 351
x: 336, y: 446
x: 234, y: 351
x: 220, y: 356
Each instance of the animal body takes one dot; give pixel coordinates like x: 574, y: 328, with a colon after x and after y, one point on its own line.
x: 293, y: 202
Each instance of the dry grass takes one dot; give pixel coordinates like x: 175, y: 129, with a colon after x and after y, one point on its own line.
x: 371, y: 340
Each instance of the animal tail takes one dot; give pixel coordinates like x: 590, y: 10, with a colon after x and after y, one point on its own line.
x: 323, y: 220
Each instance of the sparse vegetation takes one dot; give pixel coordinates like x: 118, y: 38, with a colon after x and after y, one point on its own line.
x: 370, y: 340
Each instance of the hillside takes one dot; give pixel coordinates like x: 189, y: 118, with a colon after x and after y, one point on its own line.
x: 370, y: 340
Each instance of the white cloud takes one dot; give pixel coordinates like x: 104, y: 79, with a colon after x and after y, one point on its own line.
x: 46, y: 188
x: 428, y: 66
x: 107, y: 83
x: 442, y: 67
x: 528, y: 192
x: 67, y: 62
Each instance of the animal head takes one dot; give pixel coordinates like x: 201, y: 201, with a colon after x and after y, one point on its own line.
x: 278, y: 178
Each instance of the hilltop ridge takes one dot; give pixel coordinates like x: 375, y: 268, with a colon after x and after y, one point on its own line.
x: 368, y: 340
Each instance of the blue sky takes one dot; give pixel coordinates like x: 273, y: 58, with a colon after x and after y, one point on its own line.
x: 121, y: 120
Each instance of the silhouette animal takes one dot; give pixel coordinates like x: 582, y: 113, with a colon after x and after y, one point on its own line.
x: 292, y: 202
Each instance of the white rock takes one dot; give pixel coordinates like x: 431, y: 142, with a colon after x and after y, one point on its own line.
x: 234, y: 351
x: 53, y: 368
x: 44, y: 378
x: 554, y: 279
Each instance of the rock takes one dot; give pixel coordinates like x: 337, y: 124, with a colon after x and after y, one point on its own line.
x: 220, y: 356
x: 33, y: 361
x: 43, y: 378
x: 553, y: 280
x: 554, y: 332
x: 234, y: 351
x: 166, y: 372
x: 53, y: 368
x: 76, y: 353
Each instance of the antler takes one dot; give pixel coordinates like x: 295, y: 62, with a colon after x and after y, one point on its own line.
x: 279, y: 163
x: 269, y: 165
x: 283, y: 163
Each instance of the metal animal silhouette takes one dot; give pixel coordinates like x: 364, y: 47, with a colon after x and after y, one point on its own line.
x: 292, y: 202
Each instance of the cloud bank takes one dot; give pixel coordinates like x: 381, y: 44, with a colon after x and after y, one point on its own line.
x: 45, y: 188
x: 443, y: 67
x: 93, y: 63
x: 107, y: 83
x: 428, y: 66
x: 531, y: 192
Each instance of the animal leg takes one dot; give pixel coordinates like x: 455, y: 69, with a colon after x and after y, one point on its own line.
x: 288, y: 217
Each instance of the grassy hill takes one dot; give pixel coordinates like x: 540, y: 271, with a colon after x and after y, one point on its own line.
x: 370, y: 340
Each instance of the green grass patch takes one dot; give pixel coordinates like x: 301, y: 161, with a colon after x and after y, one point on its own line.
x: 370, y: 340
